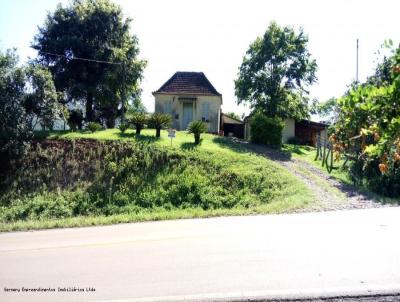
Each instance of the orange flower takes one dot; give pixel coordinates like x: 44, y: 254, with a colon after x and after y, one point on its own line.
x: 396, y: 156
x: 383, y: 168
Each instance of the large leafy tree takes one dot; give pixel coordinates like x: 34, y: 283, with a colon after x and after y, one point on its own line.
x: 27, y: 95
x: 78, y: 42
x: 41, y: 98
x: 367, y: 130
x: 276, y: 72
x: 14, y: 130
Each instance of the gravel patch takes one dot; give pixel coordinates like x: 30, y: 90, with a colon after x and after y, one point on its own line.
x: 330, y: 193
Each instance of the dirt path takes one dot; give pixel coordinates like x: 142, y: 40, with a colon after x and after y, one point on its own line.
x: 330, y: 193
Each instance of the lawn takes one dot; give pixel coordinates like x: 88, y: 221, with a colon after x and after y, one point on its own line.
x: 112, y: 177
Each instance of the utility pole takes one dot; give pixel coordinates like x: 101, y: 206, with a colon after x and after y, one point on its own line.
x: 357, y: 64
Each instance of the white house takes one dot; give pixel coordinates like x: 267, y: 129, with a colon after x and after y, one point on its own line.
x: 189, y: 96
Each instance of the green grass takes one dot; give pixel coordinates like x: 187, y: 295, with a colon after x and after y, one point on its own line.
x: 227, y: 178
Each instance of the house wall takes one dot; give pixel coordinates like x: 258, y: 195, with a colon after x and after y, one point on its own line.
x: 287, y: 132
x: 169, y: 103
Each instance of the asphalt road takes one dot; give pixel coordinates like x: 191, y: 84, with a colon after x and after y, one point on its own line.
x: 230, y: 258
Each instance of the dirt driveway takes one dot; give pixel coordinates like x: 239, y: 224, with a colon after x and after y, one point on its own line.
x: 330, y: 193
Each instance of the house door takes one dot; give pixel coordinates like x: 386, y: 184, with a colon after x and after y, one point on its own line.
x: 187, y: 115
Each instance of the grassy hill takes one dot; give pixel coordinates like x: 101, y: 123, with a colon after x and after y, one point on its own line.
x: 82, y: 178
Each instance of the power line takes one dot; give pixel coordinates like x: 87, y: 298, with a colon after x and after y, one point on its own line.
x: 80, y: 59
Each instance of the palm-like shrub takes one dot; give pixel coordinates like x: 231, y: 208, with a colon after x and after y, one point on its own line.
x: 159, y: 121
x: 197, y: 128
x: 123, y: 127
x: 93, y: 127
x: 138, y: 120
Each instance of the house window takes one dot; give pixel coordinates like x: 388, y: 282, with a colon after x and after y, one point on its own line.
x: 206, y: 112
x: 168, y: 108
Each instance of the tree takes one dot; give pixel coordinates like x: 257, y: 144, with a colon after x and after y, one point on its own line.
x: 367, y: 131
x: 329, y: 109
x: 138, y: 120
x: 159, y: 121
x: 109, y: 71
x: 233, y: 115
x: 14, y: 130
x: 197, y: 128
x: 27, y: 95
x: 41, y: 99
x: 275, y: 73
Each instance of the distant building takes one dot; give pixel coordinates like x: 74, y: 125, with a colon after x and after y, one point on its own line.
x: 189, y: 96
x: 303, y: 132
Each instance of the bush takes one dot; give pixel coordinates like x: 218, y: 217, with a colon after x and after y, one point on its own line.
x: 159, y: 121
x: 123, y: 127
x: 138, y: 120
x: 197, y: 127
x: 266, y: 130
x: 93, y: 127
x: 75, y: 119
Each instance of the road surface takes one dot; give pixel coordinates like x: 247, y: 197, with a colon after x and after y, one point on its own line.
x: 296, y: 255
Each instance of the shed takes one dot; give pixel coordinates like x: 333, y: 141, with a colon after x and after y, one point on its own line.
x: 231, y: 126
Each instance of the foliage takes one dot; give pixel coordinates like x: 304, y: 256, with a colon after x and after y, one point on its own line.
x: 138, y: 120
x: 368, y: 130
x: 27, y: 96
x: 14, y: 129
x: 233, y: 115
x: 266, y: 130
x: 197, y: 128
x: 113, y: 177
x: 275, y: 73
x: 136, y: 105
x: 159, y: 121
x: 41, y: 100
x: 93, y: 127
x: 75, y: 119
x: 123, y: 127
x: 94, y: 30
x: 329, y: 110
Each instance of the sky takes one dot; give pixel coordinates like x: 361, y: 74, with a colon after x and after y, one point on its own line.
x: 212, y: 36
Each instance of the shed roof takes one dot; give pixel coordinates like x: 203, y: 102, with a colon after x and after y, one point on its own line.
x: 192, y: 83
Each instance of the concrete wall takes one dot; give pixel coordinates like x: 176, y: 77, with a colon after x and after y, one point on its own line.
x: 289, y: 130
x: 169, y: 103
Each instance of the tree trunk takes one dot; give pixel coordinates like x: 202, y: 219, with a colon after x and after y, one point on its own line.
x: 138, y: 129
x: 158, y: 132
x: 197, y: 139
x: 89, y: 108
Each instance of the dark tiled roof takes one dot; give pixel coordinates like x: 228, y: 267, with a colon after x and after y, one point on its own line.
x: 188, y: 83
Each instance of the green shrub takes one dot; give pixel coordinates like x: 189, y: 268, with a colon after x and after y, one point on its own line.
x: 123, y: 127
x: 84, y: 177
x: 138, y: 120
x: 197, y: 128
x: 266, y: 130
x: 93, y: 127
x: 159, y: 121
x: 75, y: 119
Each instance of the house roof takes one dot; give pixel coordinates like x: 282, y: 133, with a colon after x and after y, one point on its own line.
x: 192, y: 83
x: 230, y: 120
